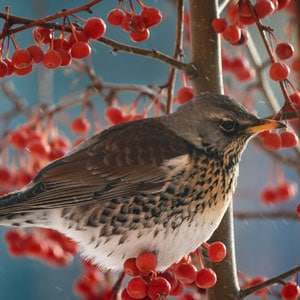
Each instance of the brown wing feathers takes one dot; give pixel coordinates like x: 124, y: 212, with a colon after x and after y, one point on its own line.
x: 114, y: 163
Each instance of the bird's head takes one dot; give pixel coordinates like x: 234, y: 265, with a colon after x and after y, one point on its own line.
x: 217, y: 122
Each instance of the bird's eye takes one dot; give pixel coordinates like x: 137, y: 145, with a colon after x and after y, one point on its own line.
x: 228, y: 125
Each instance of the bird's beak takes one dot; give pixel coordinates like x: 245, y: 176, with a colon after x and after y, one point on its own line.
x: 265, y: 124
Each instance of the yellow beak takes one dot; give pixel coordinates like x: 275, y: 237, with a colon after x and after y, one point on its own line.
x: 266, y: 124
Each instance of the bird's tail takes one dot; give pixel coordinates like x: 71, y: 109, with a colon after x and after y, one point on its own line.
x: 17, y: 201
x: 14, y: 209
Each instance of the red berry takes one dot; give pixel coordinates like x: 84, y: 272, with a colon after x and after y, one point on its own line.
x: 268, y: 196
x: 115, y: 17
x: 284, y: 50
x: 24, y: 71
x: 80, y: 125
x: 185, y: 94
x: 287, y: 190
x: 206, y: 278
x: 137, y: 288
x: 290, y: 291
x: 84, y: 288
x: 146, y: 262
x: 60, y: 43
x: 283, y: 3
x: 272, y: 141
x: 288, y: 139
x: 51, y: 59
x: 125, y: 22
x: 36, y: 53
x: 114, y: 115
x: 42, y: 35
x: 21, y: 59
x: 136, y: 24
x: 23, y: 177
x: 18, y: 138
x: 80, y: 50
x: 130, y: 267
x: 138, y: 37
x: 178, y: 290
x: 5, y: 176
x: 295, y: 99
x: 186, y: 273
x: 65, y: 56
x: 10, y: 66
x: 77, y: 36
x: 159, y: 288
x: 264, y: 8
x: 216, y: 251
x: 296, y: 65
x: 3, y: 68
x: 232, y: 11
x: 232, y: 34
x: 171, y: 279
x: 16, y: 239
x: 94, y: 28
x: 244, y: 10
x: 35, y: 245
x: 125, y: 296
x: 298, y: 209
x: 219, y: 25
x: 38, y: 148
x: 152, y: 16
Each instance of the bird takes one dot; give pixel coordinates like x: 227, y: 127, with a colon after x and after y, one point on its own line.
x: 159, y: 184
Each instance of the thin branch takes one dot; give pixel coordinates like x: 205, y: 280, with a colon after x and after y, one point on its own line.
x: 28, y: 23
x: 188, y: 69
x: 291, y: 215
x: 277, y: 279
x: 177, y: 52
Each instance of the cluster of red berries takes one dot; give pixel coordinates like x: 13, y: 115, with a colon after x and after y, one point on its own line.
x: 274, y: 141
x: 33, y: 148
x: 47, y: 245
x: 92, y: 284
x: 115, y: 115
x: 240, y: 15
x: 150, y: 284
x: 285, y: 191
x: 238, y: 66
x: 137, y: 25
x: 59, y: 51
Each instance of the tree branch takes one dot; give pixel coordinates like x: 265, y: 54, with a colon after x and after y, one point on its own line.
x: 177, y: 51
x: 277, y: 279
x: 292, y: 215
x: 28, y: 23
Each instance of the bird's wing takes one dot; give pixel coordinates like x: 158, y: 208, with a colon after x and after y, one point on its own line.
x: 121, y: 161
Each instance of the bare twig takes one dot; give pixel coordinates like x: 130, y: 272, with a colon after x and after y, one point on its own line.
x: 292, y: 215
x: 177, y: 53
x: 29, y: 23
x: 277, y: 279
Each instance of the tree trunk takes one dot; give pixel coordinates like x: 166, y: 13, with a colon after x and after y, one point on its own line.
x: 206, y: 57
